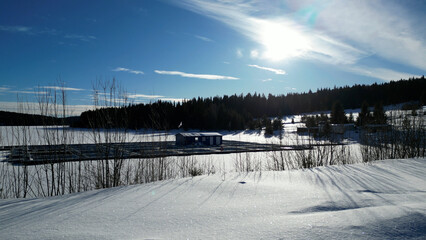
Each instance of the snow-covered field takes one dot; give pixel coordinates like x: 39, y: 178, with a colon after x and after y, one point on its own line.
x: 380, y: 200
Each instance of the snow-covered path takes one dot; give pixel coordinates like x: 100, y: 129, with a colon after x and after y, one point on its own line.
x: 382, y: 200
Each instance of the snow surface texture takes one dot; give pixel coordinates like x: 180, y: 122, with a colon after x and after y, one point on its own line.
x: 381, y: 200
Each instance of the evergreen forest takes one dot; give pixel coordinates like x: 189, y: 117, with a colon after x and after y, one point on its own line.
x: 238, y: 112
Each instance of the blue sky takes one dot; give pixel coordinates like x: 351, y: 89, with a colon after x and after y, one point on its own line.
x: 175, y: 50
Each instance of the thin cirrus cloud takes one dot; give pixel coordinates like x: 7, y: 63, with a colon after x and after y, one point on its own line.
x: 29, y: 92
x: 192, y: 75
x: 206, y: 39
x: 20, y: 29
x: 59, y: 88
x: 276, y: 71
x: 39, y: 90
x: 121, y: 69
x: 381, y: 73
x: 4, y: 89
x: 144, y: 96
x: 240, y: 53
x: 321, y: 30
x: 279, y: 37
x: 45, y: 31
x: 254, y: 53
x: 85, y: 38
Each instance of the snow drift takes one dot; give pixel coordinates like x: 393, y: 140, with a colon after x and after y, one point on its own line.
x: 379, y: 200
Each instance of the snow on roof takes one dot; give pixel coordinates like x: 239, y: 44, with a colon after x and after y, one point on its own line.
x: 200, y: 134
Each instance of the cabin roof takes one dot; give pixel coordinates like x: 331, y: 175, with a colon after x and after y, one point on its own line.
x: 200, y: 134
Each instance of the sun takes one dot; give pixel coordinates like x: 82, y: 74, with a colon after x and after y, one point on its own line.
x: 281, y: 40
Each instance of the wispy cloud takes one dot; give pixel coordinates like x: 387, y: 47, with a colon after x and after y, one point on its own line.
x: 85, y: 38
x: 240, y: 53
x: 254, y: 53
x: 206, y: 39
x: 391, y: 33
x: 19, y: 29
x: 4, y: 89
x: 280, y: 37
x: 276, y: 71
x: 192, y: 75
x: 144, y: 96
x: 46, y: 31
x: 267, y: 80
x: 381, y: 73
x: 39, y: 90
x: 121, y: 69
x: 29, y: 92
x: 322, y: 30
x: 61, y: 88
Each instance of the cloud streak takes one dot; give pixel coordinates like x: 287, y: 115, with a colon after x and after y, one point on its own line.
x: 18, y: 29
x: 61, y: 88
x: 206, y: 39
x: 192, y: 75
x: 121, y: 69
x: 279, y: 37
x: 381, y: 73
x: 276, y: 71
x: 39, y: 90
x: 144, y: 96
x: 322, y: 30
x: 46, y: 31
x: 85, y: 38
x: 29, y: 92
x: 4, y: 89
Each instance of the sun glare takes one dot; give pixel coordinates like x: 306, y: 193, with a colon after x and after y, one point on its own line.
x: 281, y: 41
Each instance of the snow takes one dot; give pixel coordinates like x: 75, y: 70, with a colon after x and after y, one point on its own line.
x: 379, y: 200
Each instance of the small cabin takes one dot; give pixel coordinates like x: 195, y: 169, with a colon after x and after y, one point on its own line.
x: 197, y: 138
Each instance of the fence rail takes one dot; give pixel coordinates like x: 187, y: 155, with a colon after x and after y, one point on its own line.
x: 42, y: 154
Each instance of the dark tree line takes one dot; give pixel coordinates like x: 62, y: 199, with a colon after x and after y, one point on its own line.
x: 238, y: 112
x: 23, y: 119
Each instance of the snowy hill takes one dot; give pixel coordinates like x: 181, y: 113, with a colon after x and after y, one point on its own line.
x: 381, y: 200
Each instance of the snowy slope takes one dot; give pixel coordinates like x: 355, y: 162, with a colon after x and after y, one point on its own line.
x: 382, y: 200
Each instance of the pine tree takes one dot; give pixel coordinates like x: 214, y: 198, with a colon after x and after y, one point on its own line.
x: 277, y: 124
x: 379, y: 114
x: 338, y: 113
x: 364, y: 115
x: 268, y: 128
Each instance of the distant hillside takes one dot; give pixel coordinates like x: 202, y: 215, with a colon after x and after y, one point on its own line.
x: 22, y: 119
x: 237, y: 111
